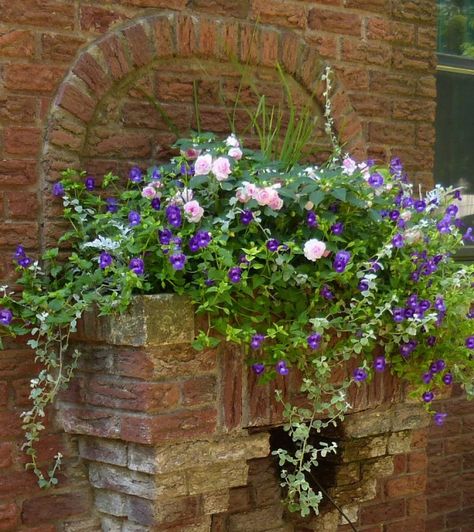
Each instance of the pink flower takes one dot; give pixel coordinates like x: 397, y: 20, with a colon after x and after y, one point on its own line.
x: 149, y: 192
x: 232, y: 141
x: 276, y: 203
x: 235, y: 153
x: 314, y: 249
x: 265, y: 195
x: 191, y: 153
x: 182, y: 196
x: 349, y: 166
x: 193, y: 211
x: 203, y: 164
x: 221, y: 168
x: 246, y: 193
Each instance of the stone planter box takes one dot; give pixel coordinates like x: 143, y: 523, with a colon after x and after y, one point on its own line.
x: 168, y: 433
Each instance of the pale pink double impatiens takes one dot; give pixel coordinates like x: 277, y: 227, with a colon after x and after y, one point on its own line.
x: 267, y: 196
x: 220, y: 167
x: 193, y: 211
x: 314, y: 249
x: 203, y: 164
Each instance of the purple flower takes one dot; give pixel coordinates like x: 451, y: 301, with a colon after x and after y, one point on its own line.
x: 448, y: 378
x: 155, y: 173
x: 326, y: 292
x: 19, y: 252
x: 112, y: 205
x: 394, y: 215
x: 433, y: 367
x: 246, y: 216
x: 105, y: 260
x: 311, y: 220
x: 467, y: 236
x: 363, y: 285
x: 314, y: 340
x: 257, y: 340
x: 428, y: 397
x: 204, y: 238
x: 156, y: 204
x: 178, y: 260
x: 398, y: 241
x: 407, y: 348
x: 424, y: 305
x: 375, y: 266
x: 137, y: 266
x: 427, y: 377
x: 409, y: 313
x: 431, y: 340
x: 375, y: 180
x: 90, y: 184
x: 420, y: 205
x: 194, y: 244
x: 439, y: 418
x: 243, y: 260
x: 24, y: 262
x: 440, y: 365
x: 439, y: 304
x: 359, y: 374
x: 134, y: 218
x: 235, y: 274
x: 396, y: 165
x: 380, y: 363
x: 272, y: 245
x: 282, y: 368
x: 412, y: 301
x: 470, y: 342
x: 165, y: 236
x: 135, y: 175
x: 258, y: 368
x: 452, y: 210
x: 443, y: 226
x: 173, y: 215
x: 58, y: 190
x: 340, y: 261
x: 337, y: 228
x: 209, y: 282
x: 6, y: 316
x: 383, y: 213
x: 398, y: 314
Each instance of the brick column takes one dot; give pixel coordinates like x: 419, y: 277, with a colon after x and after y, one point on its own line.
x: 147, y: 410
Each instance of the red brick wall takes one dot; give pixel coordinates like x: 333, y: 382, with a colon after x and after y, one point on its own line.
x: 383, y: 54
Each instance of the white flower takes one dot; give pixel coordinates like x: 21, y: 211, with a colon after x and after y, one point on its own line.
x: 232, y: 141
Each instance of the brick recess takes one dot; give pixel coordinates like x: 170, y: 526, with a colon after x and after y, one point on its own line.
x: 383, y: 54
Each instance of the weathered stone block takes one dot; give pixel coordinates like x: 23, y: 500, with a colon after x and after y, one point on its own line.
x: 209, y: 478
x: 399, y: 442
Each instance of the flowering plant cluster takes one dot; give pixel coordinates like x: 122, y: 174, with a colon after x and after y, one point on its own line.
x: 305, y: 266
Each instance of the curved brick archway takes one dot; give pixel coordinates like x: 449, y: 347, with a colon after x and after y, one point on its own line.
x: 100, y: 114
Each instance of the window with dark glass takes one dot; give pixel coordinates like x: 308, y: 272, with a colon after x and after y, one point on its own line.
x: 454, y: 157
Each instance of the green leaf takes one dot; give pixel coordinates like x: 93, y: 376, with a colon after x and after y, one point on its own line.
x: 339, y: 193
x: 317, y: 197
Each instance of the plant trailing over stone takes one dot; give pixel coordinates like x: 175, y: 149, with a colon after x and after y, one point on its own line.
x: 304, y: 266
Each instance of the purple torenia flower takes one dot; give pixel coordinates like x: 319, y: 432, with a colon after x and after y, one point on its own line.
x: 467, y: 236
x: 380, y: 363
x: 24, y: 262
x: 204, y: 238
x: 134, y: 218
x: 272, y: 245
x: 193, y: 244
x: 282, y: 368
x: 363, y: 285
x: 156, y: 204
x: 431, y: 340
x: 440, y: 364
x: 135, y: 175
x: 448, y: 378
x: 19, y: 252
x: 427, y: 377
x: 337, y: 228
x: 314, y: 340
x: 439, y: 304
x: 258, y: 368
x: 6, y: 316
x: 443, y: 226
x: 398, y: 314
x: 173, y: 215
x: 396, y: 165
x: 311, y: 220
x: 137, y: 266
x: 105, y: 260
x: 58, y: 190
x: 420, y: 205
x: 165, y: 236
x: 407, y: 202
x: 428, y: 397
x: 235, y: 274
x: 407, y: 348
x: 394, y: 215
x: 359, y: 374
x: 257, y: 340
x: 440, y: 418
x: 112, y: 205
x: 397, y: 241
x: 326, y: 292
x: 375, y: 180
x: 178, y: 260
x: 470, y: 342
x: 246, y: 216
x: 90, y: 184
x: 452, y: 210
x: 340, y: 261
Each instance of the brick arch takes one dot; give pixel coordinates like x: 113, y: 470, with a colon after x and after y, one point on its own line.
x: 120, y: 60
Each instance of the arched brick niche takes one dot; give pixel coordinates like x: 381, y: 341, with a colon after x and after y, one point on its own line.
x: 102, y: 118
